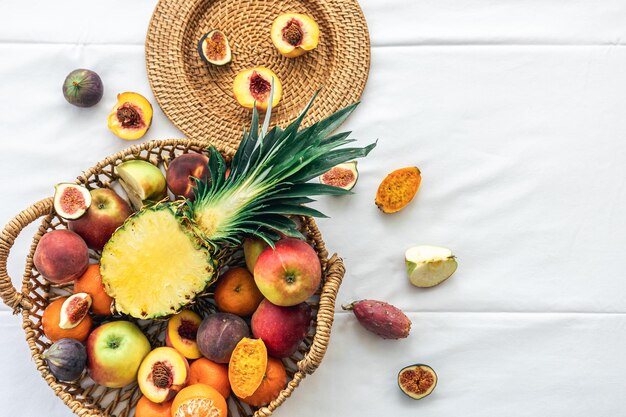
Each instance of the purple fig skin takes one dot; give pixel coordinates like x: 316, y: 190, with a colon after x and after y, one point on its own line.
x: 381, y: 318
x: 66, y: 359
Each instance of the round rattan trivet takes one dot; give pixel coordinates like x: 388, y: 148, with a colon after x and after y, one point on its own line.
x: 84, y: 397
x: 198, y: 97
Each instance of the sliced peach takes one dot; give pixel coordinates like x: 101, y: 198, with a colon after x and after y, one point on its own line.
x: 131, y: 116
x: 254, y: 85
x: 181, y: 333
x: 295, y: 34
x: 162, y: 374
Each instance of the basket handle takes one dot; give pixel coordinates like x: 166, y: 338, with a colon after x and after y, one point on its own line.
x: 10, y: 295
x: 325, y: 316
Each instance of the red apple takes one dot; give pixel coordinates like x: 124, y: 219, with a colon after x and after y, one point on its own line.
x: 288, y: 274
x: 282, y: 329
x: 182, y: 171
x: 115, y: 351
x: 107, y: 212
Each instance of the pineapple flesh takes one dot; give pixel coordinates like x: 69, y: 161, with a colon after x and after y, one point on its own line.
x: 153, y: 266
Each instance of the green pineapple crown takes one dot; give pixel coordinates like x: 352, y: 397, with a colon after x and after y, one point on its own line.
x: 269, y: 177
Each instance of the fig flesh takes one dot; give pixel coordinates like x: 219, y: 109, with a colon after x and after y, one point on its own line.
x: 66, y: 359
x: 83, y: 88
x: 214, y: 49
x: 74, y: 310
x: 381, y: 318
x: 343, y: 176
x: 417, y: 381
x: 71, y: 200
x: 428, y: 266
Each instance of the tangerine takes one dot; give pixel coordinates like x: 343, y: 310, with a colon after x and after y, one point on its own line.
x: 237, y: 293
x: 213, y: 374
x: 50, y: 323
x: 91, y: 283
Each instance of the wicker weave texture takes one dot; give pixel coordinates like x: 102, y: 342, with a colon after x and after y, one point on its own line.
x: 198, y: 98
x: 84, y: 397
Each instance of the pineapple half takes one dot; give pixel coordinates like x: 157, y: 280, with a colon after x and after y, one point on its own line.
x: 153, y: 266
x: 163, y: 256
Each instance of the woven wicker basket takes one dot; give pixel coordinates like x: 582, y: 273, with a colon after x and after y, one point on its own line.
x: 84, y: 397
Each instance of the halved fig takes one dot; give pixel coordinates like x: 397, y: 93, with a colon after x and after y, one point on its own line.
x: 417, y: 381
x: 71, y: 200
x: 131, y: 116
x: 253, y: 86
x: 343, y: 176
x: 214, y: 49
x: 74, y: 310
x: 294, y: 34
x: 428, y: 266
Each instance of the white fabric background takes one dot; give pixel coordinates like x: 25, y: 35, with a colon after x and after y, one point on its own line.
x: 514, y: 112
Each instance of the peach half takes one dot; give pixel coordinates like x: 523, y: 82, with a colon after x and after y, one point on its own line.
x: 295, y: 34
x: 162, y: 374
x: 181, y: 333
x: 131, y: 116
x: 253, y: 86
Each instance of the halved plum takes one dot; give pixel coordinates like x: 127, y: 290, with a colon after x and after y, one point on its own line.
x: 253, y: 86
x: 181, y: 333
x: 131, y: 116
x: 162, y: 374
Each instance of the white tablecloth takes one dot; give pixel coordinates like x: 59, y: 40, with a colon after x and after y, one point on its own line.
x: 514, y: 111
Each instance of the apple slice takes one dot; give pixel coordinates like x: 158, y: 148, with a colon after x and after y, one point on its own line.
x: 143, y: 182
x: 428, y: 266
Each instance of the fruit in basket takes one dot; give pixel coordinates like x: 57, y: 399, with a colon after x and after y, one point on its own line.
x: 289, y: 273
x: 74, y: 310
x: 115, y: 351
x: 183, y: 170
x: 282, y: 329
x: 274, y: 381
x: 199, y: 400
x: 181, y: 333
x: 131, y: 116
x: 252, y: 87
x: 66, y: 359
x: 247, y: 367
x: 214, y: 49
x: 252, y: 248
x: 143, y: 182
x: 91, y: 283
x: 343, y: 175
x: 237, y: 293
x: 156, y: 250
x: 381, y: 318
x: 295, y: 34
x: 218, y: 335
x: 205, y: 371
x: 61, y: 256
x: 71, y: 200
x: 107, y: 212
x: 417, y: 381
x: 173, y: 245
x: 146, y: 408
x: 83, y: 88
x: 50, y: 323
x: 398, y: 189
x: 428, y: 266
x: 162, y: 374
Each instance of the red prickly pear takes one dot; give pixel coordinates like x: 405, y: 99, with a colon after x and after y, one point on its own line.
x: 381, y: 318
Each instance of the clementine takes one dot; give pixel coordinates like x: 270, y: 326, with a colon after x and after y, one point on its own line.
x: 237, y: 293
x: 273, y: 383
x: 199, y: 400
x: 146, y: 408
x: 52, y: 317
x: 213, y: 374
x: 91, y: 283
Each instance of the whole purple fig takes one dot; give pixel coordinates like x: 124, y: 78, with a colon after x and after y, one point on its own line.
x: 83, y: 88
x: 381, y: 318
x: 66, y: 359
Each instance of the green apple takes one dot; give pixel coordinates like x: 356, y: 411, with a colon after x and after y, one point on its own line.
x: 428, y: 266
x: 142, y: 181
x: 114, y: 352
x: 252, y: 248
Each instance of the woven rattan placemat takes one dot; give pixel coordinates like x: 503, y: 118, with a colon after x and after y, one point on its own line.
x: 198, y: 97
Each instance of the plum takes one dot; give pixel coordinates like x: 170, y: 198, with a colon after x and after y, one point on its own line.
x: 218, y: 335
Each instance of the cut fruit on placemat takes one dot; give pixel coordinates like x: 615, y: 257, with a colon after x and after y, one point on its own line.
x: 198, y: 97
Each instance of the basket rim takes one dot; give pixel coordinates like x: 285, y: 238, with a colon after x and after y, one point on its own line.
x: 332, y: 267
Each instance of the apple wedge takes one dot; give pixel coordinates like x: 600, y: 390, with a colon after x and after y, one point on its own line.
x: 143, y: 182
x: 428, y: 266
